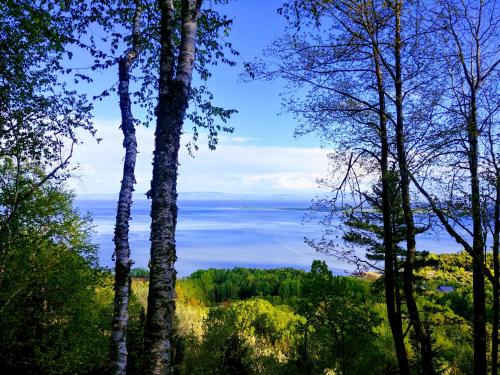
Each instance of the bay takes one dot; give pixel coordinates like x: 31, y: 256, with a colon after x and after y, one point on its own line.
x: 226, y: 233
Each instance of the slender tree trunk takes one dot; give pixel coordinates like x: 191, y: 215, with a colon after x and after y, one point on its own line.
x: 479, y: 272
x: 496, y: 273
x: 477, y: 244
x: 472, y: 74
x: 393, y: 315
x: 422, y: 334
x: 172, y: 105
x: 118, y: 350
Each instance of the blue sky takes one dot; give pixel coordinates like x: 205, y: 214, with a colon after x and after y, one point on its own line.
x: 261, y: 156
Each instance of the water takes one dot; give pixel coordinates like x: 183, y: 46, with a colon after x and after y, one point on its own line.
x: 229, y: 233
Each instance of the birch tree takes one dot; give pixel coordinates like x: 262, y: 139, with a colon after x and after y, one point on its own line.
x: 198, y: 30
x: 122, y: 247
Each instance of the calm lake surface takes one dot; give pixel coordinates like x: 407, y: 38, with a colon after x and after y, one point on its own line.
x: 223, y: 233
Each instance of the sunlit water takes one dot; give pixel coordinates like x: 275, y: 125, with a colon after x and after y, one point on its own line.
x: 230, y: 233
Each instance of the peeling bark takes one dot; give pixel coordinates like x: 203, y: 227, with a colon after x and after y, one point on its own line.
x: 118, y: 351
x: 172, y: 104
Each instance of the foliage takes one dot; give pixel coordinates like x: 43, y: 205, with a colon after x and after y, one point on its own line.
x: 214, y: 286
x: 247, y: 337
x: 139, y: 272
x: 336, y: 324
x: 449, y: 311
x: 39, y: 114
x: 342, y: 324
x: 54, y: 307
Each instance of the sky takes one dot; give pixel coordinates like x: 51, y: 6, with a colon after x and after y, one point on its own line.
x: 262, y: 156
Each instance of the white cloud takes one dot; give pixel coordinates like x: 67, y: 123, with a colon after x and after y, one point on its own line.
x: 235, y: 167
x: 282, y: 181
x: 241, y: 139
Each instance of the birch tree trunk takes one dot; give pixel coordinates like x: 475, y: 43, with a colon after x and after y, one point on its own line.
x: 172, y: 104
x: 118, y: 350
